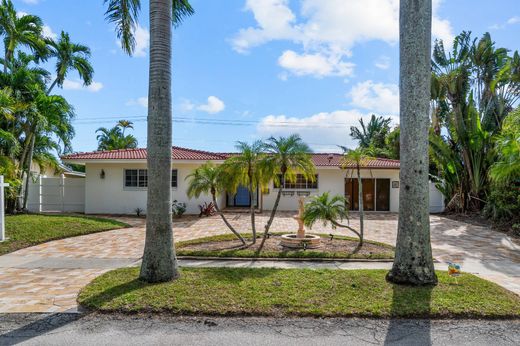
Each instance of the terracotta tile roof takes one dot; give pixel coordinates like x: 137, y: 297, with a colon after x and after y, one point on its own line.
x: 327, y: 160
x: 179, y: 153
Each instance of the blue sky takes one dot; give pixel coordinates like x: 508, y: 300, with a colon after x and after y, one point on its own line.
x: 248, y: 69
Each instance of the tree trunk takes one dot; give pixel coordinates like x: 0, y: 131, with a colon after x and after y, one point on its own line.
x: 159, y: 261
x: 231, y: 228
x: 413, y: 263
x: 252, y: 208
x: 28, y: 171
x: 52, y: 86
x: 273, y: 213
x: 360, y: 202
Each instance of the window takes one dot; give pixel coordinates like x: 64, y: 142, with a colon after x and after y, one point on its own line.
x: 136, y: 178
x: 174, y: 178
x: 299, y: 183
x: 139, y: 178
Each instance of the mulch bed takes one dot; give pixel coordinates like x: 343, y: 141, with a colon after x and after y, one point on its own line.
x: 272, y: 244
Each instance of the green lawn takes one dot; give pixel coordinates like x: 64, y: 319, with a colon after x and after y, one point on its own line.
x: 295, y: 292
x: 28, y: 230
x: 385, y: 251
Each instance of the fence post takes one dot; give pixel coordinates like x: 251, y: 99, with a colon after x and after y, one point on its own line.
x: 62, y: 183
x: 2, y: 209
x: 40, y: 194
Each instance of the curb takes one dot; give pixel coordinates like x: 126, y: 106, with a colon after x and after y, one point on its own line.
x: 289, y: 259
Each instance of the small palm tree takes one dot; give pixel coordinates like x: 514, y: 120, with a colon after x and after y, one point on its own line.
x: 18, y: 30
x: 285, y: 157
x: 70, y: 56
x: 209, y: 178
x: 115, y: 138
x: 328, y: 209
x: 354, y: 158
x: 246, y: 170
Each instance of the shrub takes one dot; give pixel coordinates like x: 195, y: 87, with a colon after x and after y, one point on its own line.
x: 178, y: 208
x: 503, y: 205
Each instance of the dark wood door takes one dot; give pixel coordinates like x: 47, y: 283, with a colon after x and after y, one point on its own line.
x: 383, y: 195
x: 352, y: 193
x: 369, y: 198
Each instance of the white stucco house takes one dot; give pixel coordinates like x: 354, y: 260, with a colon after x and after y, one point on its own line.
x: 116, y: 182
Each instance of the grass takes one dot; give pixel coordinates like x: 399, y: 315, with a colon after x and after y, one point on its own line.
x: 250, y: 253
x: 297, y: 292
x: 27, y: 230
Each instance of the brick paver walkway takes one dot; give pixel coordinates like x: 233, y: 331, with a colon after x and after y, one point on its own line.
x: 47, y: 277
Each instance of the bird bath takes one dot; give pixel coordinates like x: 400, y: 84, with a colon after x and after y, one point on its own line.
x: 300, y: 240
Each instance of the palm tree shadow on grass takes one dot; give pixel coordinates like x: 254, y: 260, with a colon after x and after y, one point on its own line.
x: 403, y: 331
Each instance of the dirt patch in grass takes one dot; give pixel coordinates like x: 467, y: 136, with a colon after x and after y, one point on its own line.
x: 335, y: 247
x: 297, y: 292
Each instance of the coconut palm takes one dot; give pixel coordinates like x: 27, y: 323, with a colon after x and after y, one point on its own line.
x: 159, y: 263
x: 211, y: 179
x: 70, y: 56
x: 125, y: 124
x: 328, y: 209
x: 246, y: 170
x: 25, y: 30
x: 373, y: 133
x: 285, y: 157
x: 413, y: 263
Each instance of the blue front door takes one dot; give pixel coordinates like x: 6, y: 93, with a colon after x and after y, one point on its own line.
x: 242, y: 198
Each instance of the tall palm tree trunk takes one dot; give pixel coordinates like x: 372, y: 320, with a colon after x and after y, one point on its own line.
x: 361, y: 211
x: 219, y: 212
x: 413, y: 263
x: 252, y: 208
x: 273, y: 213
x: 159, y: 261
x: 28, y: 172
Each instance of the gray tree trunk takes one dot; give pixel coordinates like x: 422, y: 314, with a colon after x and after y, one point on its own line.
x: 159, y: 261
x: 361, y: 211
x: 413, y: 263
x: 273, y: 213
x: 231, y: 228
x: 28, y: 172
x: 252, y: 208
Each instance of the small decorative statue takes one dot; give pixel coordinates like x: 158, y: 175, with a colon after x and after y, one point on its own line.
x: 299, y: 218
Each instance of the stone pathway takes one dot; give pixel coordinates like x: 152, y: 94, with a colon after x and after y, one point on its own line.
x: 47, y: 277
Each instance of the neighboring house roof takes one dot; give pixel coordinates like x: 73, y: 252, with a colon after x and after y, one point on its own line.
x: 185, y: 154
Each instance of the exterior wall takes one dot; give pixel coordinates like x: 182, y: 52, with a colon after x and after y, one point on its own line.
x: 110, y: 196
x: 332, y: 180
x: 61, y: 194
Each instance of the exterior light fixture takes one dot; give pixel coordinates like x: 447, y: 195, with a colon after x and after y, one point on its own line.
x: 102, y: 174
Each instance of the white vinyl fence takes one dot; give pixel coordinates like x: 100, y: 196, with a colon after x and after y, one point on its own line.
x: 61, y: 194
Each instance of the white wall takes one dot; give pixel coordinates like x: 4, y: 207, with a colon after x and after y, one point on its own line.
x: 61, y: 194
x: 110, y: 196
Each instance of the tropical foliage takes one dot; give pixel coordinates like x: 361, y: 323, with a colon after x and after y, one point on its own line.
x: 377, y: 137
x: 474, y: 88
x: 34, y: 124
x: 115, y: 137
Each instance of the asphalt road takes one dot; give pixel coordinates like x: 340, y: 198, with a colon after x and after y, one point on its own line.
x: 77, y: 329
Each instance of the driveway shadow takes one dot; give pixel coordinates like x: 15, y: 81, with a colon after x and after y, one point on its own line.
x: 409, y: 331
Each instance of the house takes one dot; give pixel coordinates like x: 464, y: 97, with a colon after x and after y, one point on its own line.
x: 116, y: 182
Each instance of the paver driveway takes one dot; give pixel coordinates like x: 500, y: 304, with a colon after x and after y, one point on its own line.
x: 47, y: 277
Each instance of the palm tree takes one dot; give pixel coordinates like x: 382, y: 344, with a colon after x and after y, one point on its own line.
x: 413, y: 263
x: 18, y: 30
x: 70, y: 56
x: 246, y: 170
x: 210, y: 178
x: 374, y: 133
x: 159, y: 262
x: 356, y: 158
x: 285, y: 157
x: 115, y: 138
x: 328, y: 209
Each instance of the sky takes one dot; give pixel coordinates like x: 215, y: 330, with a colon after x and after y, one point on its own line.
x: 249, y: 69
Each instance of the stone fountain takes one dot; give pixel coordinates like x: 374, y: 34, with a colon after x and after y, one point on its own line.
x: 300, y: 240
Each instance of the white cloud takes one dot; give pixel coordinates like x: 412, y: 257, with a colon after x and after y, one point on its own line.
x: 69, y: 84
x: 511, y: 21
x: 322, y: 131
x: 317, y: 65
x: 140, y: 101
x: 327, y: 30
x: 213, y: 106
x: 31, y: 2
x: 383, y: 62
x: 47, y: 32
x: 375, y: 97
x: 514, y: 20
